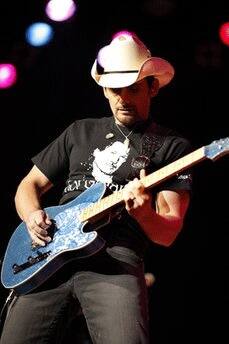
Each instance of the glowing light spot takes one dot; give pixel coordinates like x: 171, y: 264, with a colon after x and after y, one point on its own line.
x: 224, y: 33
x: 39, y: 34
x: 60, y: 10
x: 8, y: 75
x: 125, y: 33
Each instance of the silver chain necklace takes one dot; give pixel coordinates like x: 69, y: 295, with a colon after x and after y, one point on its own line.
x: 126, y: 141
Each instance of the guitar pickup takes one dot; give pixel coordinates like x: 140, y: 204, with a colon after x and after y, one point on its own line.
x: 30, y: 261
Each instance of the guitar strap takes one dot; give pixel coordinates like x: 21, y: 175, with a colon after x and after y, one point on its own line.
x: 9, y: 302
x: 151, y: 141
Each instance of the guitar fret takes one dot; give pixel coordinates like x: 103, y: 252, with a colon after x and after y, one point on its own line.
x: 173, y: 168
x: 102, y: 205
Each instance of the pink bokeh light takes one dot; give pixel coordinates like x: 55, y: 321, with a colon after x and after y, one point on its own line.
x: 8, y: 75
x: 122, y: 33
x: 60, y: 10
x: 224, y: 33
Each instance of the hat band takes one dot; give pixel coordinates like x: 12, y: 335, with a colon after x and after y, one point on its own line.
x: 121, y: 71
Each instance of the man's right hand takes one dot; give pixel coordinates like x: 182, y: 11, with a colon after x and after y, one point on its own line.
x: 38, y: 223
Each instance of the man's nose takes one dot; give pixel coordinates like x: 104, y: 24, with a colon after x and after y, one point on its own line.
x: 124, y: 95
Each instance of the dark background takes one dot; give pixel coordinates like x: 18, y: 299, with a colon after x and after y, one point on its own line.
x: 190, y: 293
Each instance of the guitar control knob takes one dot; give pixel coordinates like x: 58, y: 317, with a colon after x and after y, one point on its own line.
x: 16, y: 268
x: 31, y: 260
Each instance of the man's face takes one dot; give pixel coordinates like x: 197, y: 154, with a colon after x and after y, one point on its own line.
x: 130, y: 104
x: 111, y: 158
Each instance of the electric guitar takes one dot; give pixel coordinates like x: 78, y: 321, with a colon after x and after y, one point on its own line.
x: 26, y: 266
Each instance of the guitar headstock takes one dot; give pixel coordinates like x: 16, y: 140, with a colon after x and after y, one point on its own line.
x: 217, y: 149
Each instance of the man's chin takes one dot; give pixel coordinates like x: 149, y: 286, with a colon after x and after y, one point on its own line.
x: 127, y: 118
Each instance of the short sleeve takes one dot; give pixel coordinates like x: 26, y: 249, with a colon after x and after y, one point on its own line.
x: 53, y: 160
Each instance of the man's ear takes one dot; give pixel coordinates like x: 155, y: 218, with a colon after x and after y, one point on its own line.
x: 155, y: 88
x: 105, y: 92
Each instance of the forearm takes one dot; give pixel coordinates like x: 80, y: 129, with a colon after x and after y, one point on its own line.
x: 163, y: 224
x: 27, y: 199
x: 161, y: 229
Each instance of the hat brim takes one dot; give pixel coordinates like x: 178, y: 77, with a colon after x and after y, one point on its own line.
x: 161, y: 69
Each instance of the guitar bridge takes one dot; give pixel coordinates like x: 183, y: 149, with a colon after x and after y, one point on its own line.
x: 30, y: 261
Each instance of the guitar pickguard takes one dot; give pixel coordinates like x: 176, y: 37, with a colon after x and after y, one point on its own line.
x: 68, y: 234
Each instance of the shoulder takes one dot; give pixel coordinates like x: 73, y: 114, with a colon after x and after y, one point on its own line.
x: 90, y: 122
x: 164, y: 138
x: 168, y: 143
x: 170, y: 135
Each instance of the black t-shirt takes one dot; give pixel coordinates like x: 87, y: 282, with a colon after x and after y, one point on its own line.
x: 93, y: 150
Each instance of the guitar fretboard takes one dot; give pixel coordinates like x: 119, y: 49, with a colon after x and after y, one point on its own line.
x: 149, y: 181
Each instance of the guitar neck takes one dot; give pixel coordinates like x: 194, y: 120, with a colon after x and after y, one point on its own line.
x: 149, y: 181
x: 173, y: 168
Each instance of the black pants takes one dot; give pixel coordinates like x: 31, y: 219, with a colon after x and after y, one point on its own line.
x: 110, y: 291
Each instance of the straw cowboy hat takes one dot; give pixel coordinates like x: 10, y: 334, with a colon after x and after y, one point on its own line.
x: 127, y: 60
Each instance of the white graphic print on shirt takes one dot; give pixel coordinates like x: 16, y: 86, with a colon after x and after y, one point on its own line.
x: 107, y: 161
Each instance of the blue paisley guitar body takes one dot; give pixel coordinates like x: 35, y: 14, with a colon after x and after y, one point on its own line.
x: 26, y: 267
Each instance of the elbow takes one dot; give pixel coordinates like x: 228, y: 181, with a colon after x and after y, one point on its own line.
x: 169, y: 235
x: 167, y: 241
